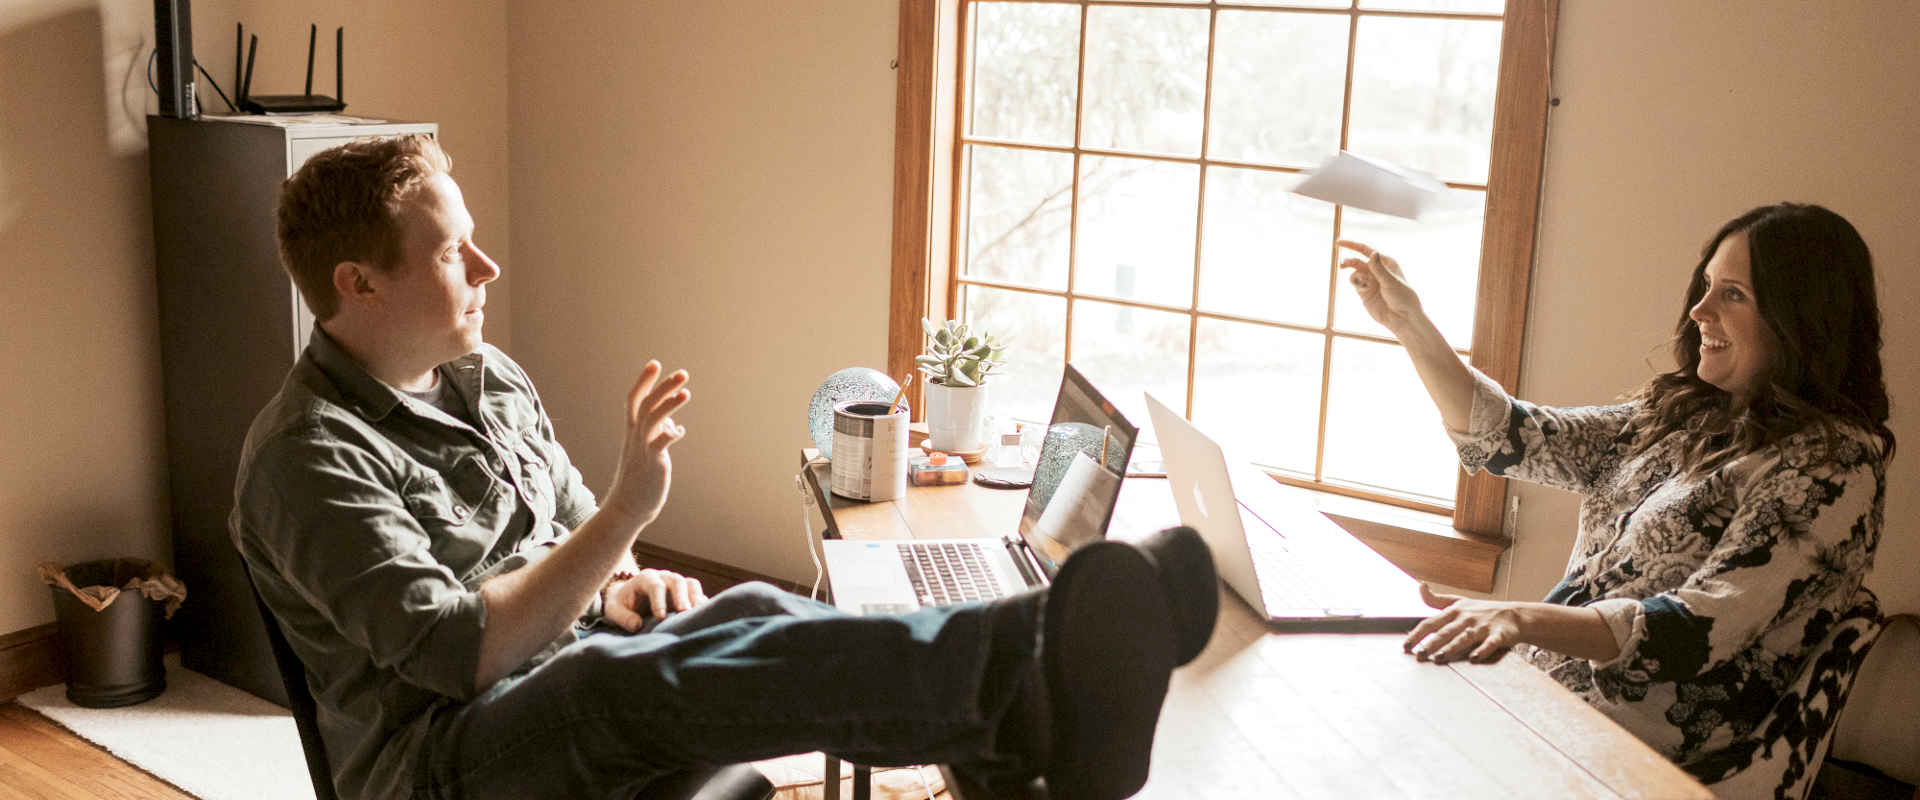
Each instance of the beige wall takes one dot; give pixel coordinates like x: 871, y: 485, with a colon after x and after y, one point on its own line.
x: 83, y: 473
x: 707, y: 184
x: 1674, y: 118
x: 695, y: 207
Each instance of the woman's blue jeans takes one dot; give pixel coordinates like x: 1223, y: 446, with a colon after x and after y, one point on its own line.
x: 755, y: 673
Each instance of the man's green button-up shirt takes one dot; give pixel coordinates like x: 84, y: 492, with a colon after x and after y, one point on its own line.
x: 369, y: 519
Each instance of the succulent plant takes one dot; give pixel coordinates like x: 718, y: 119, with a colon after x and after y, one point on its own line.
x: 957, y: 355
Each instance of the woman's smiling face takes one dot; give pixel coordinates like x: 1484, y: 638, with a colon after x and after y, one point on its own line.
x: 1736, y: 348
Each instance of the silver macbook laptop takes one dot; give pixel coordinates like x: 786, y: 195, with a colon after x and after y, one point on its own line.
x: 1069, y: 504
x: 1273, y: 548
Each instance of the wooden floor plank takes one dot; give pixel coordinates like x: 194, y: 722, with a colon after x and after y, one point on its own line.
x: 22, y: 778
x: 34, y: 749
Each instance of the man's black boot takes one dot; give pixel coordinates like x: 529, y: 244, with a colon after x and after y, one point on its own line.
x: 1107, y: 648
x: 1191, y: 585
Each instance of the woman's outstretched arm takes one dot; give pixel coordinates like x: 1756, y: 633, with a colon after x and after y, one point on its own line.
x: 1391, y: 302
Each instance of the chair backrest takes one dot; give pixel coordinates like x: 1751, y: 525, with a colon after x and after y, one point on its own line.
x: 1881, y: 732
x: 1800, y: 728
x: 306, y: 715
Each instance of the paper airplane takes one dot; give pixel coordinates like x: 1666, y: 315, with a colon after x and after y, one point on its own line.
x: 1373, y: 185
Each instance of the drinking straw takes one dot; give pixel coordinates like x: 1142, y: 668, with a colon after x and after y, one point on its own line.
x: 895, y: 405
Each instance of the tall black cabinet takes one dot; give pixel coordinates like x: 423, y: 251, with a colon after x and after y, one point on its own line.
x: 231, y: 324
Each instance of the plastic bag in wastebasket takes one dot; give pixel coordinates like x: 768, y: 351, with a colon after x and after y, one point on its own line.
x: 129, y: 574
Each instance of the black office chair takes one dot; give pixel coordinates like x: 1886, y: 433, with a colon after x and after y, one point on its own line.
x: 736, y: 782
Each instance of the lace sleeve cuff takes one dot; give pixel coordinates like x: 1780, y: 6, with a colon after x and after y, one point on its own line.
x: 1623, y: 616
x: 1487, y: 422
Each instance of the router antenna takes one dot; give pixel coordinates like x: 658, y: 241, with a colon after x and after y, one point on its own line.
x: 238, y: 40
x: 312, y: 30
x: 339, y: 64
x: 253, y: 45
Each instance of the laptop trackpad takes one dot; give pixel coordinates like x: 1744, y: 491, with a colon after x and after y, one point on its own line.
x: 869, y: 579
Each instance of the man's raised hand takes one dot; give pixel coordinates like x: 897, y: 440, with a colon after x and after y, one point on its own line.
x: 645, y: 471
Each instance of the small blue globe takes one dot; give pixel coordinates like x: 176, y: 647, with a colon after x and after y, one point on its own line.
x: 852, y: 383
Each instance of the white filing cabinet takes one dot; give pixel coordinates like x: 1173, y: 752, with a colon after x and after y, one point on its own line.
x: 231, y: 324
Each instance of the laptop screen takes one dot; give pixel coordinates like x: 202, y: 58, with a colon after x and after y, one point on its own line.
x: 1077, y: 479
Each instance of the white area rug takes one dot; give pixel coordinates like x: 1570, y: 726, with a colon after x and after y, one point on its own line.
x: 201, y: 735
x: 219, y: 743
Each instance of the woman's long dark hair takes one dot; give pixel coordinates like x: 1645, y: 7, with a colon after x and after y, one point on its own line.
x: 1813, y: 285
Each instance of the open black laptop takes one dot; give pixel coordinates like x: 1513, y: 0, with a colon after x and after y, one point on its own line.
x: 1075, y: 486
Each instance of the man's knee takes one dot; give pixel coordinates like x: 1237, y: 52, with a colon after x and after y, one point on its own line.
x: 754, y: 599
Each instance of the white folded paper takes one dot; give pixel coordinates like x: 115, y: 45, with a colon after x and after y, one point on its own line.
x: 1078, y: 509
x: 1373, y: 185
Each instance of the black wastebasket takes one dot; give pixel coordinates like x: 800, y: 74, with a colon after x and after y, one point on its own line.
x: 113, y: 654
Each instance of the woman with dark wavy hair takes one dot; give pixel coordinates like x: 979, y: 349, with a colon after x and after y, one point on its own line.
x: 1730, y: 508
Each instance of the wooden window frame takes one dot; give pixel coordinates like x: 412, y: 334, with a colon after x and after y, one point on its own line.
x: 1460, y: 551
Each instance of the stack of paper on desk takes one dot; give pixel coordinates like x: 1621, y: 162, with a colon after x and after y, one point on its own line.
x: 1373, y: 185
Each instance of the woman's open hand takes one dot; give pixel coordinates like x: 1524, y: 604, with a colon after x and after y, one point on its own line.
x: 1478, y: 630
x: 1382, y: 286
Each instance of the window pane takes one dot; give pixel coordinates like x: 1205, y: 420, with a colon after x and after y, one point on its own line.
x: 1382, y: 430
x: 1018, y: 215
x: 1440, y: 255
x: 1266, y: 252
x: 1146, y: 79
x: 1470, y: 6
x: 1263, y: 384
x: 1303, y: 3
x: 1277, y: 85
x: 1034, y: 329
x: 1025, y: 71
x: 1423, y: 94
x: 1127, y: 351
x: 1136, y: 229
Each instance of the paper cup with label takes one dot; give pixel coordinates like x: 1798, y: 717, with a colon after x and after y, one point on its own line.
x: 869, y: 450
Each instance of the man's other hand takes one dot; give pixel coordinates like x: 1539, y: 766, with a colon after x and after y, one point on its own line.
x: 641, y: 480
x: 652, y: 593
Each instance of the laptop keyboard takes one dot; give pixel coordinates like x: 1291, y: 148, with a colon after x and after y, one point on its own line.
x: 1288, y: 581
x: 948, y: 572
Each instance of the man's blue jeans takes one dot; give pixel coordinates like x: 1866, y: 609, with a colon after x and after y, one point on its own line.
x: 755, y: 673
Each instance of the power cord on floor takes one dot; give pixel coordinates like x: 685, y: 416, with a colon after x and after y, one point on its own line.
x: 919, y: 772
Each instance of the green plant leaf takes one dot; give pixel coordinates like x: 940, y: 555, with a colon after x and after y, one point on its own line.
x: 925, y: 360
x: 927, y: 325
x: 960, y: 379
x: 944, y: 338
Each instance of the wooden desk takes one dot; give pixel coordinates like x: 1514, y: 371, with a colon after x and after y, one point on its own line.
x: 1269, y: 715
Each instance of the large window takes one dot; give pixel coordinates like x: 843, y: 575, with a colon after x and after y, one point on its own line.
x: 1120, y: 176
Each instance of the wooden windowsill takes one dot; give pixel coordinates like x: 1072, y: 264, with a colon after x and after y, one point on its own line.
x: 1424, y: 544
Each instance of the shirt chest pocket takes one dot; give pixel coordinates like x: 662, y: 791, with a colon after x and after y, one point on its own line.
x: 536, y: 472
x: 468, y: 494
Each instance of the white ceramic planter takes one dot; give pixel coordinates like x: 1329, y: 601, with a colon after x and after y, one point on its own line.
x: 956, y: 418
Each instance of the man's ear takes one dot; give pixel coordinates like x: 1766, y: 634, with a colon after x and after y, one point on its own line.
x: 352, y: 280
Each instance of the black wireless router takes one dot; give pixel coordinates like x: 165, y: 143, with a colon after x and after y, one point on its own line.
x: 292, y: 103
